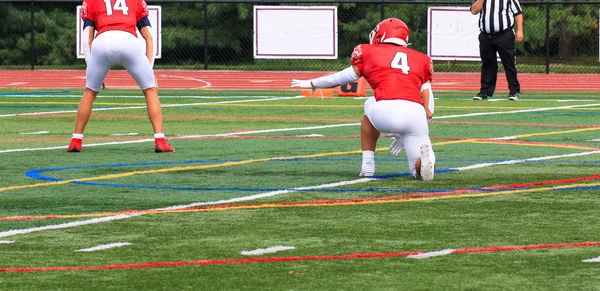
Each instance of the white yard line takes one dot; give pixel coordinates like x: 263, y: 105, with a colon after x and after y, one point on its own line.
x: 104, y: 247
x: 140, y: 96
x: 279, y: 192
x: 269, y: 250
x: 143, y: 107
x: 594, y: 260
x: 66, y: 225
x: 189, y: 136
x: 515, y: 111
x: 37, y: 132
x: 251, y: 197
x: 431, y: 254
x: 477, y: 166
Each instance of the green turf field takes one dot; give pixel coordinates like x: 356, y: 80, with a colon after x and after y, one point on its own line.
x: 263, y: 192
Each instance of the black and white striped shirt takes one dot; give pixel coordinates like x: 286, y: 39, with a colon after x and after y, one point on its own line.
x: 498, y: 15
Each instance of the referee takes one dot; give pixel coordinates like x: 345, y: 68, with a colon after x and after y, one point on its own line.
x: 496, y: 21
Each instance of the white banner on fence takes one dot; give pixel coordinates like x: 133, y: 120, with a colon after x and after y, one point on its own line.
x: 295, y: 32
x: 452, y: 34
x: 155, y: 31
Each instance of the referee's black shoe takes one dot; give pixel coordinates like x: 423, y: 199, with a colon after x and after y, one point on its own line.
x: 480, y: 96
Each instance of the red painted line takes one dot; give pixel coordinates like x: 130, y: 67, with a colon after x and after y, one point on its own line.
x: 199, y: 117
x: 262, y: 118
x: 420, y: 195
x: 325, y: 202
x: 510, y: 123
x: 68, y: 139
x: 521, y: 143
x: 265, y: 136
x: 289, y: 259
x: 191, y: 137
x: 512, y: 248
x: 316, y: 119
x: 539, y: 143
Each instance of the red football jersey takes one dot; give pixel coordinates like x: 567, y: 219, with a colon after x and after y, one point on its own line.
x: 114, y: 14
x: 393, y: 71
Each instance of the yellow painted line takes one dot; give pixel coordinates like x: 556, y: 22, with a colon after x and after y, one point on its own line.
x: 195, y: 104
x: 478, y: 140
x: 226, y: 164
x: 166, y: 170
x: 509, y: 108
x: 283, y: 105
x: 279, y: 105
x: 483, y: 107
x: 340, y: 203
x: 557, y: 132
x: 71, y: 103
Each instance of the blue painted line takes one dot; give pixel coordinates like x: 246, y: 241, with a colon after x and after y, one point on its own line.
x: 203, y: 108
x: 563, y: 112
x: 36, y: 174
x: 33, y: 93
x: 580, y: 188
x: 266, y: 109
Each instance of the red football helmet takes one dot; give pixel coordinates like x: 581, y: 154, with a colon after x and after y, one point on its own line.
x: 391, y: 30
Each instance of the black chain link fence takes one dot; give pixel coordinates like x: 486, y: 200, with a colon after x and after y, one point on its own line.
x: 560, y: 37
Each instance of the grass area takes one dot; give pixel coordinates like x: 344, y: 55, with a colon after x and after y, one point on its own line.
x: 257, y: 169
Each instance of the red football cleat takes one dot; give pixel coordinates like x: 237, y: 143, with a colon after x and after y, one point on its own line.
x: 161, y: 145
x: 75, y: 145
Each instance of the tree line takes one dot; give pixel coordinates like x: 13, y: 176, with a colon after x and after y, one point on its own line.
x: 229, y: 29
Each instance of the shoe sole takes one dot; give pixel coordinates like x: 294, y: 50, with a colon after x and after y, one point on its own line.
x: 159, y: 150
x: 427, y: 163
x: 74, y: 149
x: 513, y: 99
x: 366, y: 174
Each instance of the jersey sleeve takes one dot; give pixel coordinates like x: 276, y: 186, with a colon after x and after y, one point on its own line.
x: 357, y: 57
x: 85, y: 11
x: 428, y: 69
x: 143, y: 10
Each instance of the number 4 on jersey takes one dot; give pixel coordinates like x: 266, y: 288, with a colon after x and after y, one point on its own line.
x: 400, y: 62
x: 119, y: 5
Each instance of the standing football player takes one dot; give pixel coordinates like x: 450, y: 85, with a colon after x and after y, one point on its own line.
x: 111, y: 26
x: 403, y: 99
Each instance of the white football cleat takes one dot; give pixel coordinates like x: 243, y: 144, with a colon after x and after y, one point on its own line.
x: 427, y: 163
x: 367, y: 168
x: 367, y: 173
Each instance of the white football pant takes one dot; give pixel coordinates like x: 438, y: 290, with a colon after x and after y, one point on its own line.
x: 402, y: 117
x: 118, y: 47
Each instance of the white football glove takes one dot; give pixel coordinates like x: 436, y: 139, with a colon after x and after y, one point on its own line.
x: 397, y: 145
x: 305, y: 84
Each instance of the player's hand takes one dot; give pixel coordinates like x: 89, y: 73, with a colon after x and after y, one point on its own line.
x: 397, y: 145
x: 428, y: 114
x: 305, y: 84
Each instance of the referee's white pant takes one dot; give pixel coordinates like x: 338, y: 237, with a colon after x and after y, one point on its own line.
x: 118, y: 47
x: 402, y: 117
